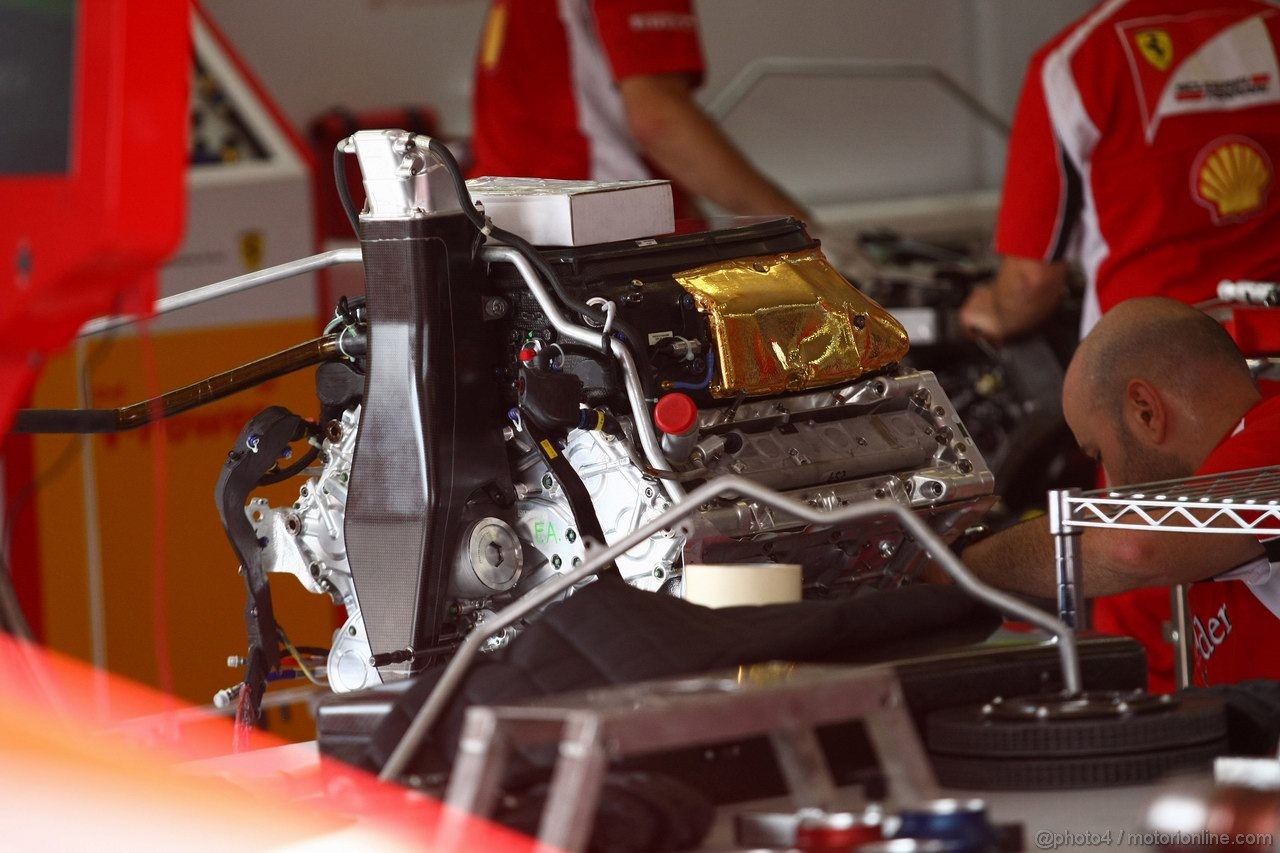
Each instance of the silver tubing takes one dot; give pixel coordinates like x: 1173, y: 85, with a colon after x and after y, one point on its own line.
x: 229, y: 287
x: 1251, y: 292
x: 454, y: 673
x: 594, y: 339
x: 799, y: 66
x: 1068, y: 559
x: 643, y: 420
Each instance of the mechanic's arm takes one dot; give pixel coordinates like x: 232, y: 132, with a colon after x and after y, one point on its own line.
x: 1024, y: 295
x: 681, y: 140
x: 1020, y: 559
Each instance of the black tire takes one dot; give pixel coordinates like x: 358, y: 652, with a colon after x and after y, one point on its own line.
x: 966, y: 732
x: 1099, y: 771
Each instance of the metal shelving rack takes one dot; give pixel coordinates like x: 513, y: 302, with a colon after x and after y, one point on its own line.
x: 1237, y: 502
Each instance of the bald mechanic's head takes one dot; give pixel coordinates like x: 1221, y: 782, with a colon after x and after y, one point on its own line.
x: 1153, y: 389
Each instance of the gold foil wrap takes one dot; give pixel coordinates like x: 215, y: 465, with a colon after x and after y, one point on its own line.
x: 790, y: 322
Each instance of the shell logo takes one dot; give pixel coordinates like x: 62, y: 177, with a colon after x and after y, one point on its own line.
x: 1231, y: 177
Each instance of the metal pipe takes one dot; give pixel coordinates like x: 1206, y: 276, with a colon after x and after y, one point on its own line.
x: 595, y: 340
x: 643, y: 419
x: 1068, y: 557
x: 797, y: 66
x: 592, y: 338
x: 229, y: 287
x: 452, y: 677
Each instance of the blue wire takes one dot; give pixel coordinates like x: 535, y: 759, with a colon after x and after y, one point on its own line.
x: 706, y: 382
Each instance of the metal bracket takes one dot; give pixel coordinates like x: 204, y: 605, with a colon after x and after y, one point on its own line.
x: 596, y: 727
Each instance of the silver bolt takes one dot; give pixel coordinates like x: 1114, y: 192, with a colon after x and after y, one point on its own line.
x: 887, y: 549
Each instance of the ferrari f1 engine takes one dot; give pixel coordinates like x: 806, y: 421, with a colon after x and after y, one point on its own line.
x: 516, y: 407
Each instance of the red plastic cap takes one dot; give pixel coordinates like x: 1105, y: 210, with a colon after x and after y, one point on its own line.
x: 676, y: 414
x: 528, y: 354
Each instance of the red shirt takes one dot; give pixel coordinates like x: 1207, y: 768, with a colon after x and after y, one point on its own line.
x: 546, y: 99
x: 1236, y: 616
x: 1144, y: 146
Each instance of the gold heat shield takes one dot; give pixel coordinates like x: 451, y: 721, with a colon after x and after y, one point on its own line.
x: 790, y: 322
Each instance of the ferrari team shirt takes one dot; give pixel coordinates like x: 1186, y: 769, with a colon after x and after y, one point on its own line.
x: 1144, y: 146
x: 1235, y: 618
x: 546, y: 96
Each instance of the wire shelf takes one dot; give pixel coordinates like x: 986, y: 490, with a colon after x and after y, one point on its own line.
x: 1234, y: 502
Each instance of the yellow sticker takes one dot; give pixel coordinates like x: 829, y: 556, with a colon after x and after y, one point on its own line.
x: 549, y: 449
x: 252, y: 247
x: 495, y: 32
x: 1156, y: 48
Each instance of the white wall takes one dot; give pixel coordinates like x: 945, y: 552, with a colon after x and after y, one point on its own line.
x: 827, y: 140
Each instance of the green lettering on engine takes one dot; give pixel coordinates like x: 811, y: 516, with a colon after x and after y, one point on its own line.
x: 544, y: 533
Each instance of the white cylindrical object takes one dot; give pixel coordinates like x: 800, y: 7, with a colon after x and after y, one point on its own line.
x: 734, y: 585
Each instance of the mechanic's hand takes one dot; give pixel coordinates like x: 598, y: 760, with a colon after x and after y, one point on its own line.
x: 978, y: 315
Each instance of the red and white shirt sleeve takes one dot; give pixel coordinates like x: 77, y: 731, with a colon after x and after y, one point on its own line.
x: 642, y: 37
x: 1039, y: 210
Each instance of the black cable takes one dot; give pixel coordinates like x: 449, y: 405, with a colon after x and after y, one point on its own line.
x: 344, y: 192
x: 629, y: 335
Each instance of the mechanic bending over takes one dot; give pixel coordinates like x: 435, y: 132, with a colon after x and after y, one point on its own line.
x: 1157, y: 391
x: 603, y: 90
x: 1144, y: 147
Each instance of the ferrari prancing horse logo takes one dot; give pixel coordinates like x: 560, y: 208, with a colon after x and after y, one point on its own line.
x: 1156, y: 47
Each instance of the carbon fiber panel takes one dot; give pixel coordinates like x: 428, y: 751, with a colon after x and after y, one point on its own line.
x: 429, y: 435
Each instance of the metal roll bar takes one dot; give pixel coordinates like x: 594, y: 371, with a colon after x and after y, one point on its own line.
x: 798, y: 66
x: 228, y: 287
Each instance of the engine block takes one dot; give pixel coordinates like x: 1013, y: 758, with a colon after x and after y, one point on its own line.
x: 431, y: 511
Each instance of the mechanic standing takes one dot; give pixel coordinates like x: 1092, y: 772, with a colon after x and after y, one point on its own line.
x: 603, y: 90
x: 1144, y: 147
